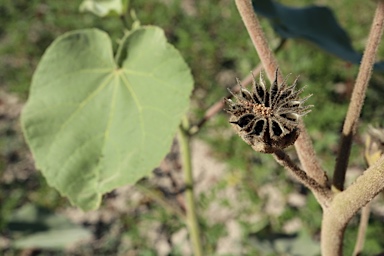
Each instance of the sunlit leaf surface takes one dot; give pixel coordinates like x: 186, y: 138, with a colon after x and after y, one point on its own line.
x: 93, y: 126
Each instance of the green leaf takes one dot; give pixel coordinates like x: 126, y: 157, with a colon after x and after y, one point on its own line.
x: 104, y: 8
x: 313, y: 23
x: 36, y: 227
x: 93, y: 126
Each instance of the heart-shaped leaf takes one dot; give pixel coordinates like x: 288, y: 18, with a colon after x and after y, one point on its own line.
x: 313, y: 23
x: 92, y: 125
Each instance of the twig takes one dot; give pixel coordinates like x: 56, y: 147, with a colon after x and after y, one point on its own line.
x: 364, y: 218
x: 322, y: 193
x: 303, y: 145
x: 358, y: 95
x: 191, y: 218
x: 218, y: 106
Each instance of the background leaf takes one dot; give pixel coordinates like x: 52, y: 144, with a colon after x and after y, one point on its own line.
x: 93, y: 126
x: 313, y: 23
x: 37, y: 227
x: 53, y: 239
x: 104, y: 8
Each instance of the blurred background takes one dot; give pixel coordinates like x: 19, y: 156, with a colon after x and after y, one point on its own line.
x: 247, y: 204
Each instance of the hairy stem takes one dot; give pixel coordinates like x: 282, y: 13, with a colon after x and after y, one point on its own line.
x: 259, y: 41
x: 191, y: 216
x: 308, y: 158
x: 358, y: 96
x: 332, y: 235
x: 346, y: 204
x: 321, y: 192
x: 364, y: 218
x: 303, y: 145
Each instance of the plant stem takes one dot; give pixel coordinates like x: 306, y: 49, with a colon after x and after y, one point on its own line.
x: 322, y: 193
x: 191, y: 218
x: 303, y: 145
x: 332, y: 235
x: 346, y: 204
x: 259, y: 41
x: 358, y: 95
x: 364, y: 218
x: 308, y: 158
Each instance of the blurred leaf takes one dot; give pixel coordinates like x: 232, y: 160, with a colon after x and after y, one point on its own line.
x: 313, y: 23
x: 53, y: 239
x: 30, y: 218
x: 41, y: 228
x: 104, y: 8
x: 93, y: 126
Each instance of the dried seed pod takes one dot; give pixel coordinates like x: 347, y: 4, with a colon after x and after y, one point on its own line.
x: 267, y: 119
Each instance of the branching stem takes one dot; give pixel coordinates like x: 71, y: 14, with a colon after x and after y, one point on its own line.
x: 346, y: 204
x: 340, y: 208
x: 364, y: 218
x: 303, y: 145
x: 321, y: 192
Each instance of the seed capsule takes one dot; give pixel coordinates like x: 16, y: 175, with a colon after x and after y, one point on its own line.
x: 267, y: 120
